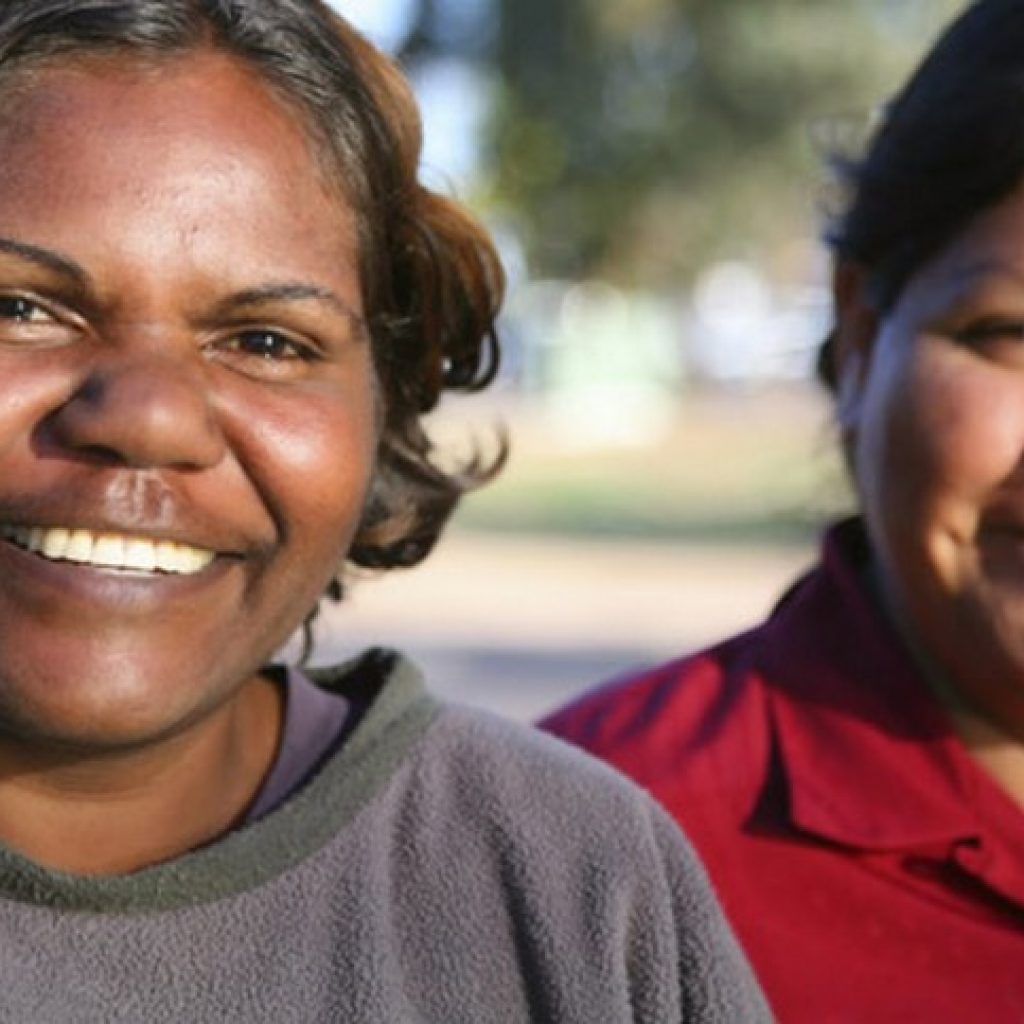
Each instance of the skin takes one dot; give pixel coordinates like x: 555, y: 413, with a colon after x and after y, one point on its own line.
x: 182, y: 357
x: 931, y: 399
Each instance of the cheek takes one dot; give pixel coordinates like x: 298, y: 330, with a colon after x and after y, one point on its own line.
x: 311, y: 461
x: 33, y: 387
x: 941, y: 431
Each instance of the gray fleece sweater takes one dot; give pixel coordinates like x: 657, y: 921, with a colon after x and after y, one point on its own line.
x: 444, y: 866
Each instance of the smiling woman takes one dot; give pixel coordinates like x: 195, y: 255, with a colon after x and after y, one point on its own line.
x: 184, y: 332
x: 853, y: 768
x: 226, y: 303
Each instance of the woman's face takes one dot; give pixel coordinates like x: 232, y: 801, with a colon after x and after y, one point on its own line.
x: 934, y: 400
x: 186, y: 413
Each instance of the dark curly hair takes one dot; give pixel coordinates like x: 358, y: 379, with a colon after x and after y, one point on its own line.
x: 432, y: 283
x: 951, y: 144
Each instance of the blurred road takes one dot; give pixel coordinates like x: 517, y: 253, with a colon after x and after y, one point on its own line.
x: 519, y: 625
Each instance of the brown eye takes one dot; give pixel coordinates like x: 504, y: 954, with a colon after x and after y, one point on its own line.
x: 22, y: 310
x: 265, y: 354
x: 991, y: 328
x: 997, y: 339
x: 268, y: 345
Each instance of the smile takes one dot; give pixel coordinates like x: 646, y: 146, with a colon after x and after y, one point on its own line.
x: 109, y: 550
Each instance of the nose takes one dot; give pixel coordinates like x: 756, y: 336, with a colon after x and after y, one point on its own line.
x: 146, y: 410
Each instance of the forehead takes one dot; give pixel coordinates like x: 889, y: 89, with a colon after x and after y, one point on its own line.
x: 155, y: 100
x: 199, y: 138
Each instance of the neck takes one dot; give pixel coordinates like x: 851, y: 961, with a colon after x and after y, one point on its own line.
x: 117, y: 812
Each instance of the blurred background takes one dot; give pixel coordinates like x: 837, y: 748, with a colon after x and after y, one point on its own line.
x: 656, y: 174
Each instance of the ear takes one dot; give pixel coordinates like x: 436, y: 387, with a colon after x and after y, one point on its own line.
x: 857, y: 322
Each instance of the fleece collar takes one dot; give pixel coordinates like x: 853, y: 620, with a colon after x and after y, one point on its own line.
x: 400, y: 712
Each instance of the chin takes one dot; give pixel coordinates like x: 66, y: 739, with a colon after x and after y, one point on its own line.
x: 99, y: 710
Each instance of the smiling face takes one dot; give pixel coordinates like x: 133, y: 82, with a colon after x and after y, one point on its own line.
x: 186, y: 413
x: 934, y: 400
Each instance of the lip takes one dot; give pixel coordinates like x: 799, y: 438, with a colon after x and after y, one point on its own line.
x: 32, y: 579
x: 108, y: 550
x: 203, y: 537
x: 83, y: 505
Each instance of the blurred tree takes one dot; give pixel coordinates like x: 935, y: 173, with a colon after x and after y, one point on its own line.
x: 464, y: 29
x: 639, y: 139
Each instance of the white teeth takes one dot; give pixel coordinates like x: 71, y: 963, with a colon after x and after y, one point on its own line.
x: 178, y: 558
x: 109, y: 550
x: 79, y: 547
x: 140, y: 554
x: 167, y: 557
x: 55, y: 542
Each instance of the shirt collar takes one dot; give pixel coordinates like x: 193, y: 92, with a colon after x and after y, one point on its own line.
x: 868, y: 757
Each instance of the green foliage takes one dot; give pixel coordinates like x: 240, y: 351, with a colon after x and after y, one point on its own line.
x: 638, y: 139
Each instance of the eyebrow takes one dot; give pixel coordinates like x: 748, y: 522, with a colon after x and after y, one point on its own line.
x: 290, y: 291
x: 47, y: 258
x: 283, y: 291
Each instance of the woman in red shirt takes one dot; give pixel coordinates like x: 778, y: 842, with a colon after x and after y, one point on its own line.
x: 852, y: 770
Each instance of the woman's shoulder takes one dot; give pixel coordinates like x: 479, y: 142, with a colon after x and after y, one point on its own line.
x: 449, y: 751
x: 709, y: 713
x: 509, y: 790
x: 585, y: 854
x: 453, y: 747
x: 708, y: 707
x: 506, y: 759
x: 526, y: 849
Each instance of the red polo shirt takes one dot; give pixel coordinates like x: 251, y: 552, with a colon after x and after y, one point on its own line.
x: 871, y: 869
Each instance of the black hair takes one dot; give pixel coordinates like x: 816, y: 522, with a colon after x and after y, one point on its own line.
x: 948, y: 146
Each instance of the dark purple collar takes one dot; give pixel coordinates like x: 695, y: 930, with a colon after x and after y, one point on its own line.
x: 315, y: 723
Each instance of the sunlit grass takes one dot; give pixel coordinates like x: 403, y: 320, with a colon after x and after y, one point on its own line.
x: 757, y: 466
